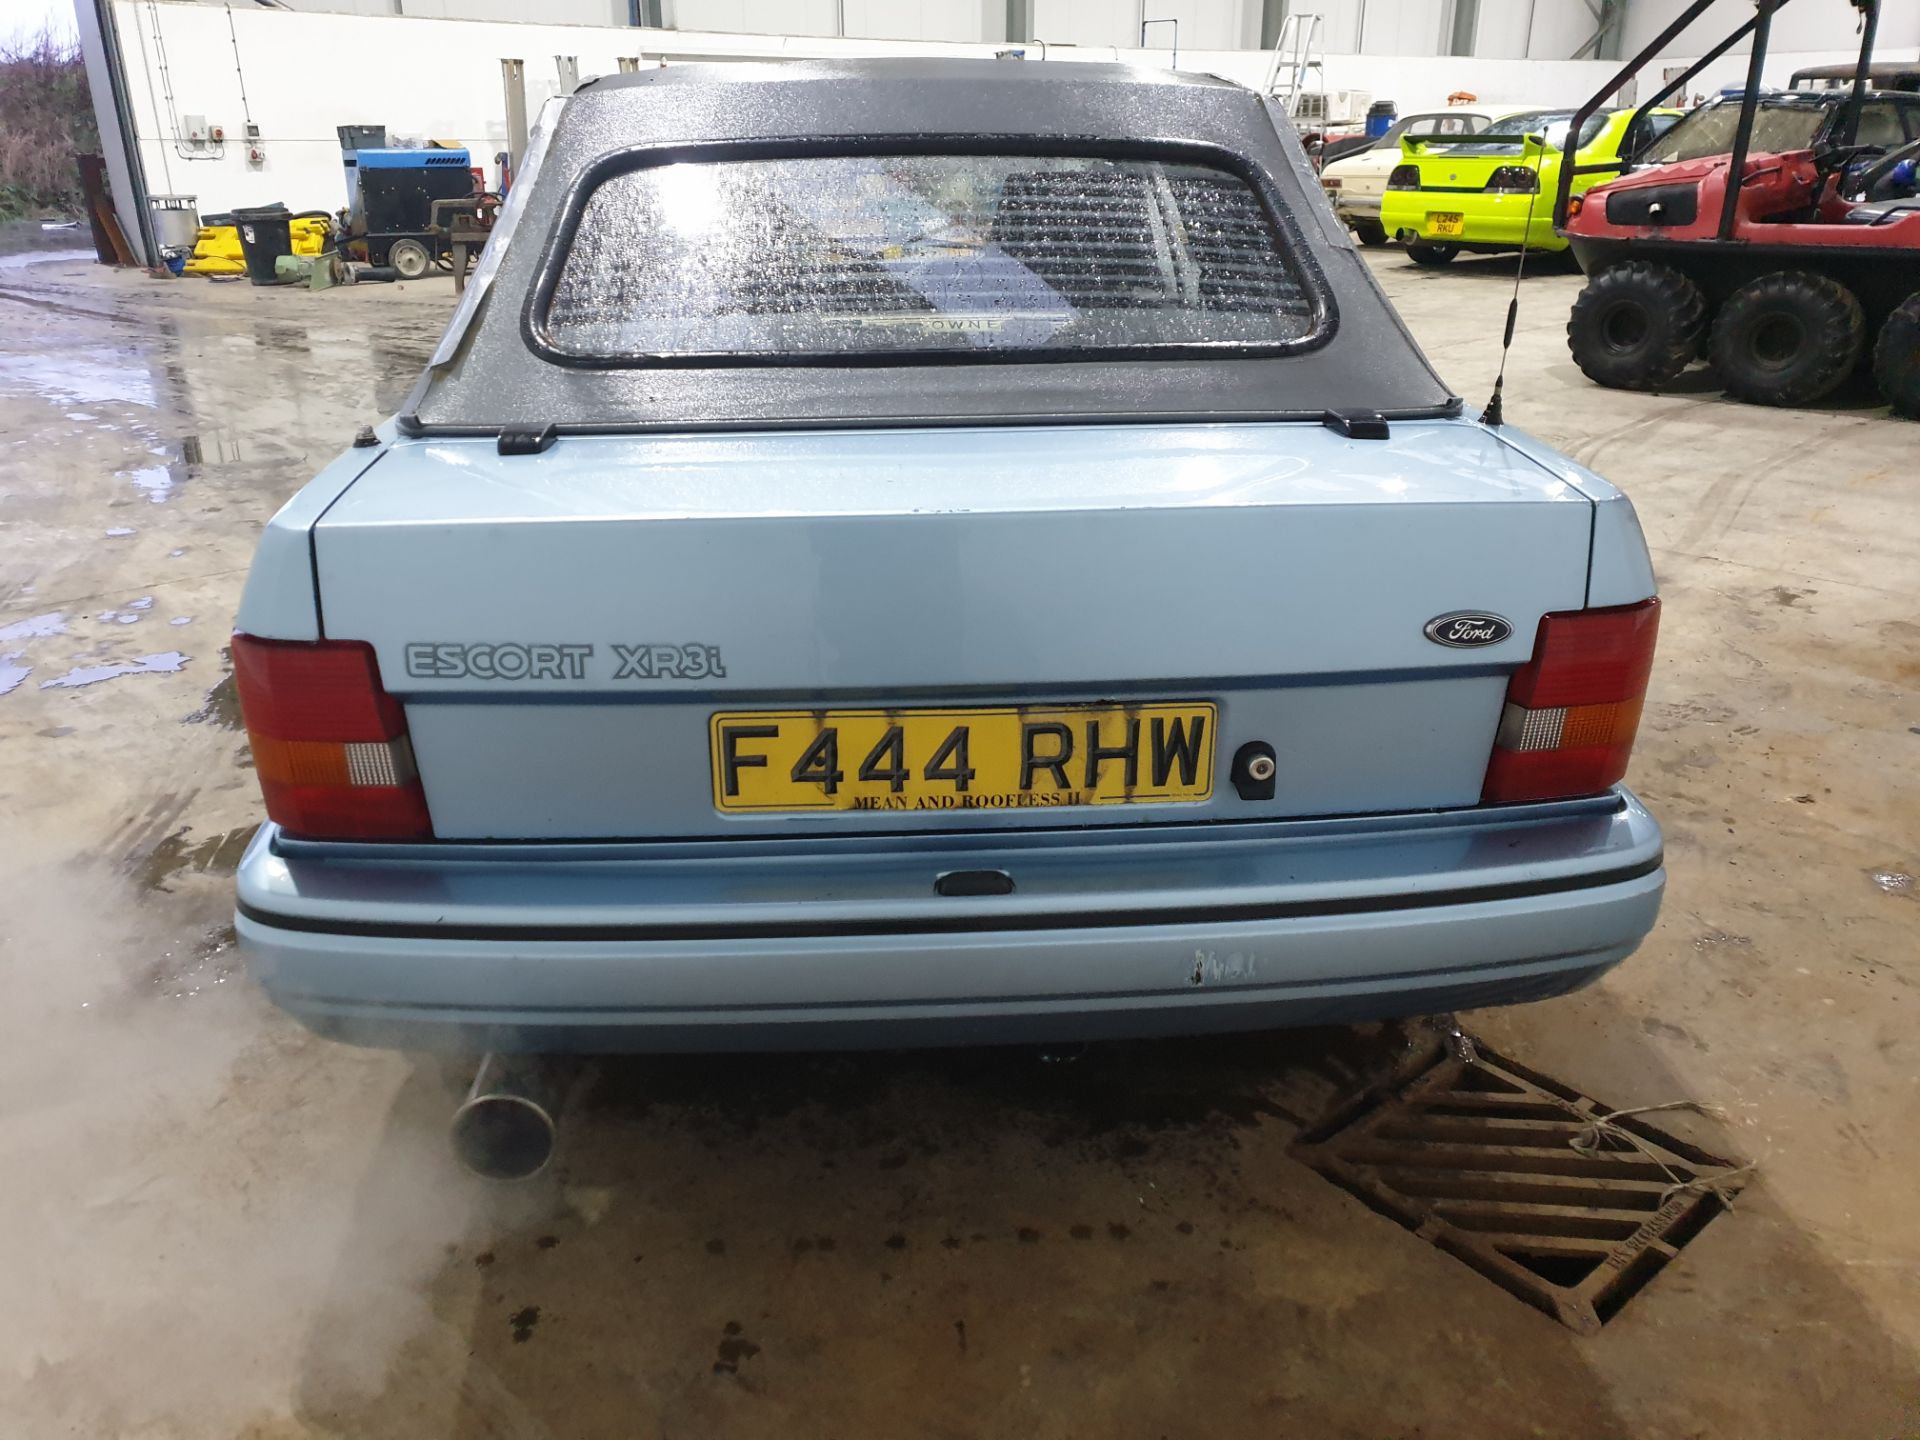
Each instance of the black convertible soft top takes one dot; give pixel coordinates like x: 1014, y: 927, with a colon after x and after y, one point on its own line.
x: 493, y: 374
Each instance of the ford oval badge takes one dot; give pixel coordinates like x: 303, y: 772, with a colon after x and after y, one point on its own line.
x: 1467, y: 630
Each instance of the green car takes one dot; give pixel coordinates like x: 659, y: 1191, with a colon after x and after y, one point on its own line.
x: 1494, y: 192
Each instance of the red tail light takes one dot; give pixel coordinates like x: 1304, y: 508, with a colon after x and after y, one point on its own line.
x: 1573, y: 710
x: 329, y: 744
x: 1514, y: 180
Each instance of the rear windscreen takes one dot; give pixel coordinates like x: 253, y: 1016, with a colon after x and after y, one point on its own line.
x: 1777, y: 126
x: 900, y: 256
x: 1550, y: 125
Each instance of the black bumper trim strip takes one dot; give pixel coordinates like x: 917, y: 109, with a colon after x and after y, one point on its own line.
x: 958, y: 923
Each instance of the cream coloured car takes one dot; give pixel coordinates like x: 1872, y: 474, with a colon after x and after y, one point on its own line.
x: 1356, y: 183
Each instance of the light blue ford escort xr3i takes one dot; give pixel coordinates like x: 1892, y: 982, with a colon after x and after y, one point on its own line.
x: 919, y: 551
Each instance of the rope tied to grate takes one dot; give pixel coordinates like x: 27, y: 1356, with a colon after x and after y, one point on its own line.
x: 1599, y: 1129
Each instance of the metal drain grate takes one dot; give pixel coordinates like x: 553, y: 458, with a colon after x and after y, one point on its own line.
x: 1476, y: 1155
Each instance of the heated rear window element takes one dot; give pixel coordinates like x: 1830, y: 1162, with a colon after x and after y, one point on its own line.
x: 837, y: 258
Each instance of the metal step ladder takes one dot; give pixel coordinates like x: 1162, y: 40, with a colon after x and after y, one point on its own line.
x: 1297, y: 73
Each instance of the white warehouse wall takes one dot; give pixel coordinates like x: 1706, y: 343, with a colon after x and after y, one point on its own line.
x: 306, y: 72
x: 1404, y: 27
x: 1515, y: 29
x: 1545, y: 29
x: 1087, y: 22
x: 947, y: 20
x: 1805, y: 32
x: 1201, y: 24
x: 1803, y: 25
x: 765, y: 17
x: 552, y: 12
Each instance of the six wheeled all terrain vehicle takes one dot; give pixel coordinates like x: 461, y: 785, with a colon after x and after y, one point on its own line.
x: 1818, y: 273
x: 1786, y: 279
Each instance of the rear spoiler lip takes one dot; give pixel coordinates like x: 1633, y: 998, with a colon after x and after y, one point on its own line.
x: 1443, y: 137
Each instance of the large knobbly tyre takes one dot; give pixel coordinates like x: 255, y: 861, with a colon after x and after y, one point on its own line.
x: 1636, y: 326
x: 1896, y: 358
x: 1422, y: 252
x: 1787, y: 338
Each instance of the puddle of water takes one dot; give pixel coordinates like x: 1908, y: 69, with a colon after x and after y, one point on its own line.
x: 175, y: 554
x: 216, y: 855
x: 42, y: 257
x: 166, y: 663
x: 12, y: 674
x: 117, y: 617
x: 222, y: 705
x: 158, y: 482
x: 145, y: 602
x: 88, y: 374
x: 35, y: 627
x: 119, y: 530
x: 1894, y: 882
x: 181, y: 620
x: 155, y: 480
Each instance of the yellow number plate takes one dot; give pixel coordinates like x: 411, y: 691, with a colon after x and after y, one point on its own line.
x: 981, y: 759
x: 1447, y: 222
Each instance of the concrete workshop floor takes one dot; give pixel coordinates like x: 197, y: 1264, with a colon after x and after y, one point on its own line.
x: 218, y: 1226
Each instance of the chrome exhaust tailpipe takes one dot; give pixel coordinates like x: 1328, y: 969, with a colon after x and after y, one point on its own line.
x: 505, y: 1128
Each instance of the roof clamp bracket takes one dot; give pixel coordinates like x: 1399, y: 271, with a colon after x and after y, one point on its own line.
x: 1357, y: 424
x: 527, y: 442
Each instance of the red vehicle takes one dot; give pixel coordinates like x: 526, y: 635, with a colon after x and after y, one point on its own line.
x: 1785, y: 281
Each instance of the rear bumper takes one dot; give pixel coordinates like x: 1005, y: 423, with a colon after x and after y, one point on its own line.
x: 803, y: 943
x: 1355, y: 207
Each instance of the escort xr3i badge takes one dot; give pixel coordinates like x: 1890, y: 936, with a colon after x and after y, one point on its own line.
x: 885, y: 554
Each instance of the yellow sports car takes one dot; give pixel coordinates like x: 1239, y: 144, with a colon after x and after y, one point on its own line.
x: 1495, y: 191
